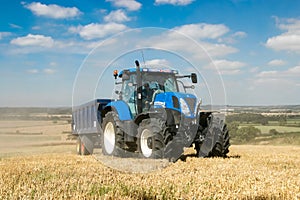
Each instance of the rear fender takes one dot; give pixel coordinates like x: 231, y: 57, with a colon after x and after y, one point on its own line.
x: 203, y: 116
x: 120, y: 107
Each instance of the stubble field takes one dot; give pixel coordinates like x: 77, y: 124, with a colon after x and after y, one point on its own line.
x: 39, y: 169
x: 252, y: 172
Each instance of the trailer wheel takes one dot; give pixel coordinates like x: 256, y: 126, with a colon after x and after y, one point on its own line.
x: 216, y: 141
x: 150, y: 140
x: 112, y: 137
x: 78, y: 146
x: 84, y: 145
x: 84, y: 151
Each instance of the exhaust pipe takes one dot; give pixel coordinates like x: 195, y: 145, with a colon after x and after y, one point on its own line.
x: 139, y: 87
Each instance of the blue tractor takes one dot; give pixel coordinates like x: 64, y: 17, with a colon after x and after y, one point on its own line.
x: 151, y: 119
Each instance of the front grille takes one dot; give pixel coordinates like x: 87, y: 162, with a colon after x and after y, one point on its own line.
x: 192, y: 103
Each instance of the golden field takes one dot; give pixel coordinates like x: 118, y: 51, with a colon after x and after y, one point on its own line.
x: 37, y: 161
x: 251, y: 172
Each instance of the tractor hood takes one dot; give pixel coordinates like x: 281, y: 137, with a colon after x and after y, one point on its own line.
x: 181, y: 102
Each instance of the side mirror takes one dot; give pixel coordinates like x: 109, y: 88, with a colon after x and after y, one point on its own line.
x: 194, y: 77
x: 125, y: 75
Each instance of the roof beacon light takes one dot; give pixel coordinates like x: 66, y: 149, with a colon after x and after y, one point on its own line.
x: 115, y: 74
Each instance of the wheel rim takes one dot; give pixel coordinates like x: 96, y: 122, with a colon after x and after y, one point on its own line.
x: 109, y: 137
x: 145, y: 143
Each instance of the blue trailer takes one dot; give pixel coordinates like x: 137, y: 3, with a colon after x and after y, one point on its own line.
x: 86, y: 124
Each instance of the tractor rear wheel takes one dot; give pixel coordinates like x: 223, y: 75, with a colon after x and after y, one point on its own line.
x: 112, y: 137
x: 216, y: 141
x: 150, y: 140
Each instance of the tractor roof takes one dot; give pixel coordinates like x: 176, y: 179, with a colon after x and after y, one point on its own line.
x: 133, y: 70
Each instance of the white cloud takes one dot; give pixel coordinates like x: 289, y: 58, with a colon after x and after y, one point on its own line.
x: 278, y: 84
x: 15, y: 26
x: 131, y: 5
x: 94, y: 30
x: 4, y: 34
x: 116, y: 16
x: 198, y: 48
x: 276, y: 62
x: 217, y: 50
x: 33, y: 40
x: 199, y: 32
x: 268, y: 74
x: 233, y: 37
x: 103, y: 11
x: 226, y: 67
x: 49, y: 71
x: 293, y: 72
x: 53, y: 64
x: 36, y: 28
x: 203, y: 30
x: 290, y: 39
x: 239, y: 34
x: 157, y: 63
x: 174, y: 2
x: 291, y: 25
x: 254, y: 70
x: 32, y: 71
x: 52, y: 10
x: 286, y: 42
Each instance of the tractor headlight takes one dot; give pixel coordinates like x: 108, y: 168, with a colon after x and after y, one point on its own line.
x: 184, y: 107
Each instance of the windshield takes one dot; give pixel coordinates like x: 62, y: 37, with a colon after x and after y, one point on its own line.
x: 152, y: 83
x: 161, y: 81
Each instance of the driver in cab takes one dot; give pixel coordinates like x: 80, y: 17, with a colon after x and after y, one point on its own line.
x: 147, y: 94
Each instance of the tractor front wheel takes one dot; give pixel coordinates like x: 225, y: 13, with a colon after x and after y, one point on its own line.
x: 150, y: 139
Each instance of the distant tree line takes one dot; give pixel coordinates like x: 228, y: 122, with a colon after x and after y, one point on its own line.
x: 33, y: 110
x: 248, y: 133
x: 243, y: 134
x: 20, y: 113
x: 256, y: 118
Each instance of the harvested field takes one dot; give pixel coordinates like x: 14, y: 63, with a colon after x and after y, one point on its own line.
x: 251, y: 172
x: 29, y: 137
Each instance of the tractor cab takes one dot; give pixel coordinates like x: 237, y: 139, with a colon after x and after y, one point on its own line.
x: 153, y: 82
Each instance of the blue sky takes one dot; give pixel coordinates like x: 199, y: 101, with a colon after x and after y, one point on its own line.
x: 245, y: 52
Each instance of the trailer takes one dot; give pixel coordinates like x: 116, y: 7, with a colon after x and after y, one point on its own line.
x: 86, y: 125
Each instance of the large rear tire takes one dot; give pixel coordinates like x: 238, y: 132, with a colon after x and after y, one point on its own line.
x: 112, y: 137
x: 150, y: 140
x: 221, y: 148
x: 216, y: 141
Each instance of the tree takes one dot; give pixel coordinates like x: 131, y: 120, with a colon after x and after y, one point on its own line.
x: 282, y: 120
x: 273, y: 132
x: 245, y: 134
